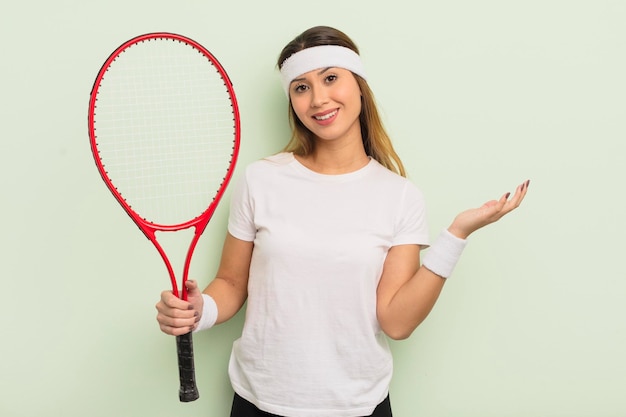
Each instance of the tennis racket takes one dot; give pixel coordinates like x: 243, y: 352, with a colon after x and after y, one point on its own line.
x: 164, y: 132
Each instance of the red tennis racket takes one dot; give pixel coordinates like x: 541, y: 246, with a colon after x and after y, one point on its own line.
x: 164, y: 132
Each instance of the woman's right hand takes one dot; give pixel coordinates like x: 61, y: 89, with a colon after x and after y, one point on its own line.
x: 177, y: 317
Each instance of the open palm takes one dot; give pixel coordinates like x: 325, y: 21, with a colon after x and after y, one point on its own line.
x: 468, y: 221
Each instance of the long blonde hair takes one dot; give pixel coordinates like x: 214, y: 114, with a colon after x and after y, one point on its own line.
x: 376, y: 141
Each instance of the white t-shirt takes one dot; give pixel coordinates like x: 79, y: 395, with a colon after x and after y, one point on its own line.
x: 311, y: 344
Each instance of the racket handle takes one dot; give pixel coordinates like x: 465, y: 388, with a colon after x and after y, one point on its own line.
x: 186, y: 369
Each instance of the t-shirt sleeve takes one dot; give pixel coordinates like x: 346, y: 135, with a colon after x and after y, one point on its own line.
x: 241, y: 219
x: 411, y: 223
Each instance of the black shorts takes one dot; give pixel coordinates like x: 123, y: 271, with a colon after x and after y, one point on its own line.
x: 243, y: 408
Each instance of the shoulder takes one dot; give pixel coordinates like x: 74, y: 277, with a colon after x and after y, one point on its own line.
x: 399, y: 190
x: 270, y: 163
x: 281, y: 158
x: 269, y: 170
x: 389, y: 178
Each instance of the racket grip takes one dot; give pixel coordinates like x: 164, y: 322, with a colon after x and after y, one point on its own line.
x: 186, y: 369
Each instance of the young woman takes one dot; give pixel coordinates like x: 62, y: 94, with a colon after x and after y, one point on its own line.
x: 324, y: 243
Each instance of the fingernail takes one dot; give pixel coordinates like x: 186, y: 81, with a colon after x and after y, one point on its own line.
x: 507, y: 195
x: 195, y: 314
x: 190, y: 307
x: 527, y: 183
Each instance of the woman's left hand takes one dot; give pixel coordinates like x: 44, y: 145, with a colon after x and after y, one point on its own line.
x: 467, y: 222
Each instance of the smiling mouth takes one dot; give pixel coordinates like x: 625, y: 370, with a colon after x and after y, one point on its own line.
x: 326, y: 116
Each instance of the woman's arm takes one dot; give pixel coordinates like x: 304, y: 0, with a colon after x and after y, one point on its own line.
x: 407, y: 291
x: 229, y: 289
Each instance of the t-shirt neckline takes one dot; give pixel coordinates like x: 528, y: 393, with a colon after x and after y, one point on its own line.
x: 332, y: 177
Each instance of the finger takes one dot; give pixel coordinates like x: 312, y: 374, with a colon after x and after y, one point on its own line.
x: 192, y: 287
x: 175, y: 312
x: 170, y: 300
x: 173, y: 321
x: 504, y: 199
x: 177, y: 318
x: 520, y: 193
x: 517, y: 198
x: 497, y: 206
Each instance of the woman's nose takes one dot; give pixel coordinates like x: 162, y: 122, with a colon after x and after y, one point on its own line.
x: 319, y: 96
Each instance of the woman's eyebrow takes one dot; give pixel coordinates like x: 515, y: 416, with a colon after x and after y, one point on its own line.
x: 320, y: 72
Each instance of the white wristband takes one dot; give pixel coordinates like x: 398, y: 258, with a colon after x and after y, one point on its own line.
x: 444, y: 253
x: 209, y: 314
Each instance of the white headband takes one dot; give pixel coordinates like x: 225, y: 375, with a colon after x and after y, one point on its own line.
x: 324, y: 56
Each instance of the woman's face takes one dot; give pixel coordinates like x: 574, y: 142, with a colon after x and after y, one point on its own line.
x: 328, y: 102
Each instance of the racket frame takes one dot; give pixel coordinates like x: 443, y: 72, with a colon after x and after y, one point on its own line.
x: 188, y: 390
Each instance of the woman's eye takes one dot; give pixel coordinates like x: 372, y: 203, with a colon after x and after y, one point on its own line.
x: 299, y: 88
x: 330, y: 78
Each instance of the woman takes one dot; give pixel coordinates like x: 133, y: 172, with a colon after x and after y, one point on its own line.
x: 324, y: 243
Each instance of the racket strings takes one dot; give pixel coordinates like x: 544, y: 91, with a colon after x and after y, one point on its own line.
x: 165, y: 130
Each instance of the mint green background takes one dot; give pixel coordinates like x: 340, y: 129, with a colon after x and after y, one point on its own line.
x: 478, y: 96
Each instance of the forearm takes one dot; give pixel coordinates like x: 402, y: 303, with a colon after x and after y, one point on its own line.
x: 229, y: 289
x: 228, y: 296
x: 407, y: 291
x: 411, y: 304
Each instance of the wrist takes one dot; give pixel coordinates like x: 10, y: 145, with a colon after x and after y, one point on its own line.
x: 209, y: 313
x: 443, y: 255
x: 458, y: 232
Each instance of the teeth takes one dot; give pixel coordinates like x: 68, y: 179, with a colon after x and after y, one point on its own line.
x: 326, y: 116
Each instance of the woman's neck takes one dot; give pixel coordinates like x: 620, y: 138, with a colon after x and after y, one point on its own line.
x: 327, y: 158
